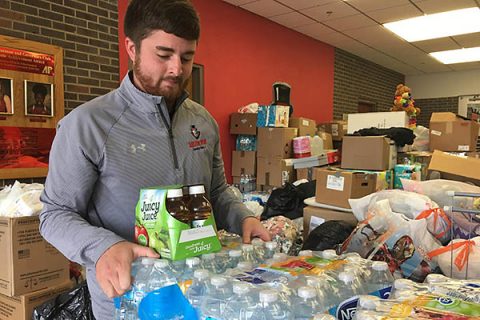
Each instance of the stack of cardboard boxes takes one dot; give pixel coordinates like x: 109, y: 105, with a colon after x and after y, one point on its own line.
x: 31, y: 272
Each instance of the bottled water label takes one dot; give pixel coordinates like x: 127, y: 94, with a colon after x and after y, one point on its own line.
x: 346, y: 309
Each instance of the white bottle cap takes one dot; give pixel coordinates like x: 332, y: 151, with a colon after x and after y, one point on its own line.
x: 147, y: 261
x: 305, y: 253
x: 307, y: 292
x: 329, y: 254
x: 345, y: 277
x: 403, y: 284
x: 279, y: 256
x: 313, y: 282
x: 218, y: 281
x: 208, y: 256
x: 271, y: 245
x: 174, y: 193
x: 241, y: 288
x: 200, y: 189
x: 245, y: 265
x: 201, y: 274
x: 161, y: 263
x: 257, y: 242
x: 247, y: 247
x: 268, y: 296
x: 435, y: 278
x: 235, y: 253
x: 368, y: 302
x: 192, y: 262
x: 380, y: 266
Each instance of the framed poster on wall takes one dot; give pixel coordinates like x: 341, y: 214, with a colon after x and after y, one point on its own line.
x: 31, y: 104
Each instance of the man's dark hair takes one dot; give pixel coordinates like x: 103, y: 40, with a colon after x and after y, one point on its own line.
x: 177, y: 17
x: 39, y: 89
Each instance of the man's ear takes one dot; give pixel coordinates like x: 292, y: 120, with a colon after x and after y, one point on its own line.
x: 131, y: 49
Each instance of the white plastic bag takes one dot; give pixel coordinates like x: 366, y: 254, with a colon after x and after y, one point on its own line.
x: 465, y: 255
x: 22, y: 200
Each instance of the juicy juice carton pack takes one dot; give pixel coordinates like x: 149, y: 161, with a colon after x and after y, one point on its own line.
x: 165, y: 223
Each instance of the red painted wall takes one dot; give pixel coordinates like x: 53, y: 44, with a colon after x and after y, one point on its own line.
x: 243, y: 54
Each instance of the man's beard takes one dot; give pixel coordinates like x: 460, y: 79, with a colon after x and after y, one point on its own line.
x: 154, y: 88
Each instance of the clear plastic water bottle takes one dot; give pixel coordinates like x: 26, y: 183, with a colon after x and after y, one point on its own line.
x: 279, y: 257
x: 220, y: 291
x: 307, y: 305
x: 273, y: 307
x: 124, y: 305
x: 243, y: 304
x: 258, y: 249
x: 436, y: 278
x: 325, y: 292
x: 242, y: 267
x: 162, y: 275
x: 248, y: 254
x: 271, y: 248
x: 347, y: 287
x: 140, y: 282
x: 305, y: 253
x: 323, y: 316
x: 222, y: 259
x: 381, y: 279
x: 198, y: 289
x: 329, y: 254
x: 210, y: 263
x: 185, y: 279
x: 234, y: 257
x: 178, y: 267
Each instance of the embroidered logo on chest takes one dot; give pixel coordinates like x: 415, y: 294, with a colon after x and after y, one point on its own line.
x: 198, y: 143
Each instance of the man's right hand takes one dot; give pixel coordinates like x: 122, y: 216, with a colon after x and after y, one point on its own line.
x: 114, y: 266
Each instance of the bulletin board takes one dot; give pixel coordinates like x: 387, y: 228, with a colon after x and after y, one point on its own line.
x: 31, y: 104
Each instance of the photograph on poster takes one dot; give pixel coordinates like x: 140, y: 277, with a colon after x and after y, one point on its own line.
x: 38, y: 99
x: 6, y: 96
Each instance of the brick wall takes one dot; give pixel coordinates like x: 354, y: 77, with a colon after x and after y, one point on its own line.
x: 87, y: 30
x: 427, y: 106
x: 359, y: 80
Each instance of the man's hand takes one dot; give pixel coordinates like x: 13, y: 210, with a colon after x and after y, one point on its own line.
x: 252, y: 227
x: 113, y: 267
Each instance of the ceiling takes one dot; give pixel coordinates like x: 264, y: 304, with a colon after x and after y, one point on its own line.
x: 356, y: 26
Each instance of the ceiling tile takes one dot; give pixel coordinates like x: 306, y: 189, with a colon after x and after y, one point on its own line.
x: 369, y: 5
x: 330, y: 11
x: 435, y: 6
x: 350, y: 22
x: 316, y: 30
x: 266, y: 8
x: 292, y: 19
x: 468, y: 40
x: 465, y: 66
x: 334, y: 39
x: 239, y: 2
x: 375, y: 36
x: 394, y: 14
x: 303, y: 4
x: 434, y: 45
x: 432, y: 68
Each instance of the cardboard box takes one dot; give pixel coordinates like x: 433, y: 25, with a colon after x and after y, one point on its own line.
x: 335, y: 187
x: 273, y: 116
x: 368, y: 153
x: 275, y: 142
x: 243, y: 123
x: 327, y: 140
x: 453, y: 167
x: 325, y: 158
x: 449, y: 132
x: 306, y: 173
x: 21, y: 307
x: 29, y: 263
x: 313, y: 217
x: 384, y: 178
x: 274, y: 171
x: 337, y: 128
x: 380, y: 120
x: 244, y: 162
x: 306, y: 127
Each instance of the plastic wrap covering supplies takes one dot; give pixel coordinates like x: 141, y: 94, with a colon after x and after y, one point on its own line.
x: 72, y: 305
x: 402, y: 243
x: 285, y: 233
x: 328, y: 235
x: 21, y: 200
x: 465, y: 256
x: 410, y: 204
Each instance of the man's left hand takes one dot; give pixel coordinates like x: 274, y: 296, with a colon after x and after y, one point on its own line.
x: 252, y: 227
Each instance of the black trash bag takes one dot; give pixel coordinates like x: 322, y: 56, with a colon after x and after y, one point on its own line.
x: 328, y: 235
x: 288, y: 200
x: 72, y: 305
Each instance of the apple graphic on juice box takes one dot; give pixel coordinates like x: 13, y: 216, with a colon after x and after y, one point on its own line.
x: 141, y: 235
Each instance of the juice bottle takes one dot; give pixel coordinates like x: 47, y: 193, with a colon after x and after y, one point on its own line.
x: 200, y: 208
x: 176, y: 207
x: 186, y: 196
